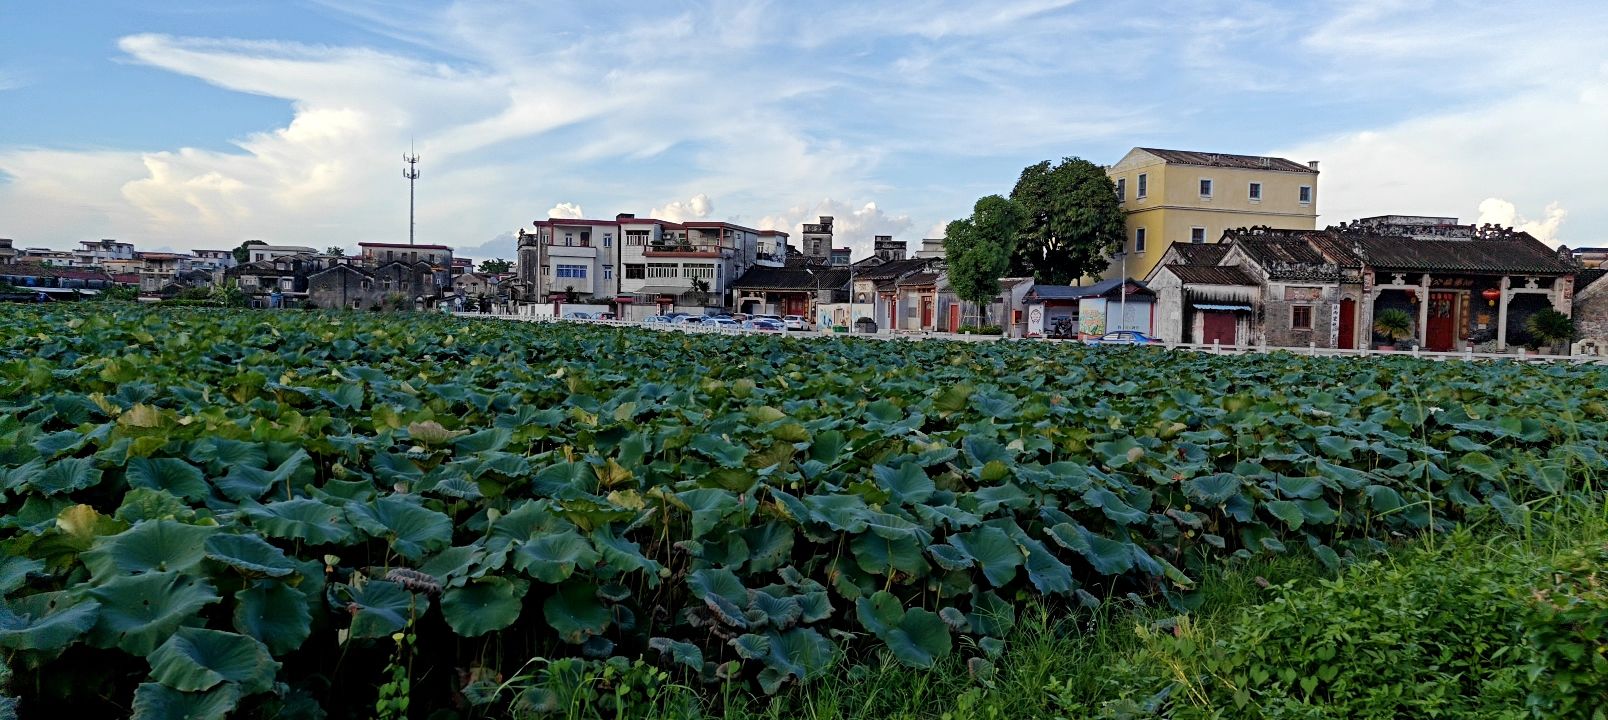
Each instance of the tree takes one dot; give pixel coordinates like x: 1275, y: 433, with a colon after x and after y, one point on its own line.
x: 336, y: 251
x: 495, y: 267
x: 700, y: 289
x: 978, y: 249
x: 1073, y: 221
x: 242, y: 255
x: 1550, y: 327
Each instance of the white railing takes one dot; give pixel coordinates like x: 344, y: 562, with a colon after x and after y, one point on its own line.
x: 1211, y: 348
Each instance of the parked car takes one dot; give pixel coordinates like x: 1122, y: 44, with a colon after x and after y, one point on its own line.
x: 655, y: 320
x: 764, y: 325
x: 795, y: 322
x: 578, y: 315
x: 1125, y: 337
x: 604, y: 316
x: 767, y: 316
x: 687, y: 320
x: 741, y: 317
x: 724, y: 322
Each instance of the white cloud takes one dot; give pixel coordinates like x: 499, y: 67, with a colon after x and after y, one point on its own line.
x: 566, y: 210
x: 698, y: 207
x: 10, y: 80
x: 853, y: 226
x: 1502, y: 212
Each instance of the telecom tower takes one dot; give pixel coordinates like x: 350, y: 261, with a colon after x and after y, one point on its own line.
x: 411, y: 172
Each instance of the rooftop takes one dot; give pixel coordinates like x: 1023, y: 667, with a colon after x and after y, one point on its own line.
x: 1228, y: 160
x: 1211, y: 274
x: 403, y: 246
x: 793, y: 278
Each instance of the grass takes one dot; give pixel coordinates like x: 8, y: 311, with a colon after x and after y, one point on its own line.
x: 1083, y: 664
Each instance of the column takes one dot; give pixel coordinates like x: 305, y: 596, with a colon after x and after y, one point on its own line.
x: 1423, y: 310
x: 1501, y: 314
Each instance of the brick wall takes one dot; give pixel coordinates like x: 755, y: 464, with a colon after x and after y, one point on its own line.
x: 1591, y: 311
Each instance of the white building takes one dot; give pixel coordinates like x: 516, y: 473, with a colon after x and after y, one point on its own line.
x: 270, y: 252
x: 215, y: 261
x: 94, y: 253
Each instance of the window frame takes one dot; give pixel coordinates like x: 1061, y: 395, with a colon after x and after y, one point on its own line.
x: 1253, y: 191
x: 1140, y: 240
x: 1306, y: 190
x: 1206, y: 187
x: 1310, y: 316
x: 1192, y: 239
x: 1141, y: 190
x: 1122, y: 189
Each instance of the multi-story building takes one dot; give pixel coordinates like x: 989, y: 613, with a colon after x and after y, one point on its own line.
x: 841, y: 257
x: 1177, y: 196
x: 95, y: 253
x: 214, y: 261
x: 160, y: 268
x: 817, y: 240
x: 632, y: 260
x: 258, y: 253
x: 1588, y: 257
x: 46, y: 256
x: 7, y: 252
x: 886, y: 249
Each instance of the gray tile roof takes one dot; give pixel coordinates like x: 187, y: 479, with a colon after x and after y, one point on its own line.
x: 1212, y: 274
x: 1228, y: 160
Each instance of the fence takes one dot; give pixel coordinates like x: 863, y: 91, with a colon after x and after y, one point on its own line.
x: 1212, y: 348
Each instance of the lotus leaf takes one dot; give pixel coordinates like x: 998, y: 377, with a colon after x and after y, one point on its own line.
x: 46, y: 621
x: 139, y: 612
x: 150, y: 546
x: 155, y: 701
x: 994, y: 551
x: 313, y: 521
x: 575, y: 612
x: 915, y: 636
x: 170, y: 474
x: 378, y: 607
x: 14, y: 572
x: 64, y: 475
x: 195, y: 659
x: 274, y: 613
x: 680, y: 653
x: 249, y: 554
x: 410, y: 528
x: 483, y: 605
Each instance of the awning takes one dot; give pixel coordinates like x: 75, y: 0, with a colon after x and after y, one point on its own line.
x: 63, y: 291
x: 1230, y: 308
x: 663, y: 290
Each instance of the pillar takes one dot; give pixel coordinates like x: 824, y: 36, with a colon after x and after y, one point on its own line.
x: 1501, y: 314
x: 1423, y: 310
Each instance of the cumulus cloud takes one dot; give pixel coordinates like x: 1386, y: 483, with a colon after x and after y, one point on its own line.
x: 566, y: 210
x: 698, y: 207
x: 1502, y: 212
x: 853, y: 225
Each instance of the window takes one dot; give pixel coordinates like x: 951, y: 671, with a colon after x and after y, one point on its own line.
x: 1301, y: 317
x: 1206, y: 187
x: 661, y: 270
x: 608, y: 239
x: 1255, y: 192
x: 635, y: 271
x: 706, y: 272
x: 570, y: 271
x: 1306, y: 194
x: 1144, y: 183
x: 608, y: 270
x: 636, y: 237
x: 1122, y: 189
x: 569, y: 239
x: 1197, y: 235
x: 586, y: 238
x: 1139, y: 240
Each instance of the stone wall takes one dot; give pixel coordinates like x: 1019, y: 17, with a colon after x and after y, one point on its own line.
x: 1591, y: 310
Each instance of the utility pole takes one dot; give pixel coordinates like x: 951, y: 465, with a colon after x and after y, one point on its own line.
x: 411, y: 172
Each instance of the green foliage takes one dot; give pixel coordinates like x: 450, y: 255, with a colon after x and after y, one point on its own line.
x: 1550, y: 327
x: 749, y: 514
x: 242, y: 254
x: 981, y: 330
x: 978, y: 248
x: 1073, y: 221
x: 394, y: 694
x: 1394, y: 324
x: 1566, y: 627
x: 120, y: 293
x: 496, y: 266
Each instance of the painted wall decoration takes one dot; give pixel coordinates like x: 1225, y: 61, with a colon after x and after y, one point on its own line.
x: 1035, y: 320
x: 1092, y: 316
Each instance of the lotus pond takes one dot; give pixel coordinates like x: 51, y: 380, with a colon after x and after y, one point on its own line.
x: 234, y: 513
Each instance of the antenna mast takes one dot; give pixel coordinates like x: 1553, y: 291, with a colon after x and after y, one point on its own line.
x: 411, y: 172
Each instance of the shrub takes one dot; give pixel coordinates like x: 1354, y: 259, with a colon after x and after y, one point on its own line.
x: 1567, y: 631
x: 980, y: 330
x: 1394, y: 324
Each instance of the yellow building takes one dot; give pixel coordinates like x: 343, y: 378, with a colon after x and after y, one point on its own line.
x: 1192, y: 197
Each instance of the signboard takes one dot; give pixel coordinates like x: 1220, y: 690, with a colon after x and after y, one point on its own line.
x: 1092, y: 316
x: 1334, y: 323
x: 1035, y: 320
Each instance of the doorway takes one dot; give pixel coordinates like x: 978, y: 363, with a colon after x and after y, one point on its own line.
x: 1442, y: 330
x: 954, y: 317
x: 926, y: 312
x: 1348, y: 324
x: 1218, y: 327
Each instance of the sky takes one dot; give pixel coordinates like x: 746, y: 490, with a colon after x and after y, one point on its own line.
x: 185, y: 125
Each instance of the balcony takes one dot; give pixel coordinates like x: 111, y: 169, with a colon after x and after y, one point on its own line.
x: 688, y: 250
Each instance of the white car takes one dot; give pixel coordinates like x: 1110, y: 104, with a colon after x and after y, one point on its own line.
x: 723, y: 322
x: 795, y: 322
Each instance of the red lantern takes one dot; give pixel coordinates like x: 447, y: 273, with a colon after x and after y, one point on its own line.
x: 1491, y: 296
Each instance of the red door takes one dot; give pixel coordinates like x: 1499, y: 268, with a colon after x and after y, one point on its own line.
x: 954, y: 318
x: 926, y: 313
x: 1219, y: 327
x: 1442, y: 325
x: 1348, y: 324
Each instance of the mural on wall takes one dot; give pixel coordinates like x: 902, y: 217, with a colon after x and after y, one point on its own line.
x: 828, y: 316
x: 1092, y: 316
x: 1035, y: 320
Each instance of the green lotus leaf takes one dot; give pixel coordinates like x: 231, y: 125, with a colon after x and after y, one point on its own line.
x: 1213, y: 489
x: 1287, y: 511
x: 576, y: 613
x: 274, y: 613
x: 916, y: 637
x: 251, y: 555
x: 483, y: 605
x: 1300, y: 488
x: 680, y: 653
x: 798, y: 653
x: 150, y: 546
x: 751, y: 646
x: 1047, y: 573
x: 722, y: 593
x: 65, y: 475
x: 155, y: 701
x: 455, y: 566
x: 623, y: 556
x: 950, y: 557
x: 994, y: 551
x: 883, y: 556
x: 991, y: 615
x: 1481, y: 464
x: 1385, y: 499
x: 24, y: 475
x: 315, y: 522
x: 906, y: 485
x: 348, y: 396
x: 142, y: 504
x: 378, y: 607
x: 723, y: 451
x: 244, y: 482
x: 708, y: 507
x: 1106, y: 556
x: 230, y: 453
x: 765, y: 609
x: 196, y: 659
x: 769, y: 546
x: 139, y: 612
x: 14, y: 572
x: 170, y: 474
x: 46, y: 621
x: 554, y: 557
x: 410, y: 528
x: 489, y: 440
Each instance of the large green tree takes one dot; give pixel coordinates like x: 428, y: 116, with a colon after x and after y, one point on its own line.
x: 242, y: 254
x: 496, y: 266
x: 1073, y: 222
x: 978, y: 249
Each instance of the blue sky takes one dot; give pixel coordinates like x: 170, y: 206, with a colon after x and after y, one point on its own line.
x: 202, y: 124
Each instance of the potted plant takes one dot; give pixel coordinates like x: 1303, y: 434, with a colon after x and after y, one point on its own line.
x: 1395, y: 325
x: 1550, y: 328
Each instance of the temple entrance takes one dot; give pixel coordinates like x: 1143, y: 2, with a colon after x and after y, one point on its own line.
x: 1442, y: 329
x: 926, y: 312
x: 1348, y: 324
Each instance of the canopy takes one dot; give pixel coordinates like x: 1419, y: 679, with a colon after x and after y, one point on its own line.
x: 1238, y: 308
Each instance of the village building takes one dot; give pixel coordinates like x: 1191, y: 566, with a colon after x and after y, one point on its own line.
x: 54, y: 282
x: 7, y: 252
x: 794, y: 288
x: 157, y: 269
x: 1087, y: 311
x: 1591, y: 307
x: 258, y: 253
x: 1181, y: 196
x: 816, y: 240
x: 390, y: 285
x: 95, y: 253
x: 280, y: 282
x: 1462, y: 286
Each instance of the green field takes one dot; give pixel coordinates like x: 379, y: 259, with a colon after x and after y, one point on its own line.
x: 235, y: 512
